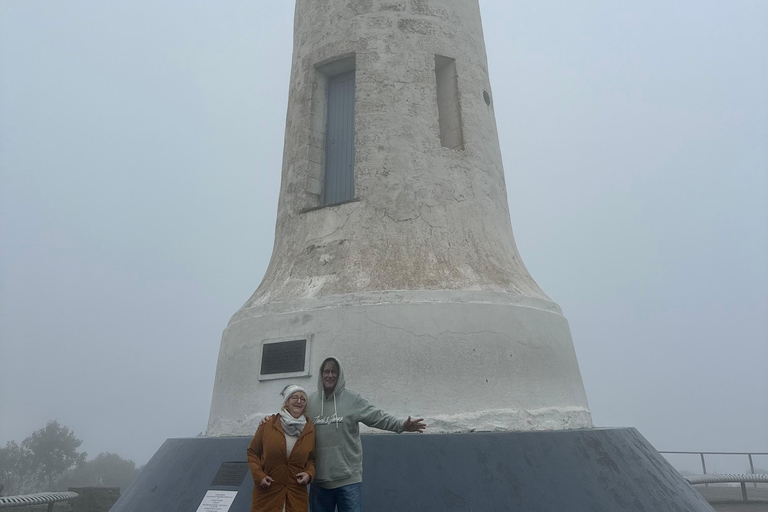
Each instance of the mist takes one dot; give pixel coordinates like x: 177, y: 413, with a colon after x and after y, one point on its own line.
x: 140, y: 161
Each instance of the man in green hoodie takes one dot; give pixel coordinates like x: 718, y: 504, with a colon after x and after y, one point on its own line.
x: 336, y: 413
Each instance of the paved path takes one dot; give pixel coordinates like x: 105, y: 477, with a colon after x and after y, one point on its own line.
x: 752, y: 506
x: 728, y: 499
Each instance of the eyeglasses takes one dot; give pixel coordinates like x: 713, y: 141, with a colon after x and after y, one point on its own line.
x: 330, y: 372
x: 299, y: 399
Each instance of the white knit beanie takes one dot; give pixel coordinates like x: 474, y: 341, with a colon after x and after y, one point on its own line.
x: 290, y: 390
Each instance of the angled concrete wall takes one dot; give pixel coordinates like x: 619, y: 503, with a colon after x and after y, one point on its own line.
x: 594, y: 470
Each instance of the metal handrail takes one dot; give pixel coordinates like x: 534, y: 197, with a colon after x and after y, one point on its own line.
x: 704, y: 464
x: 716, y: 478
x: 719, y: 453
x: 40, y: 498
x: 741, y: 479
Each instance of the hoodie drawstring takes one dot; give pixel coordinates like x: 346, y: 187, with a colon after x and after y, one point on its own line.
x: 335, y: 412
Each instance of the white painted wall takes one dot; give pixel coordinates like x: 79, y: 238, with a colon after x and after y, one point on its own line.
x: 417, y: 286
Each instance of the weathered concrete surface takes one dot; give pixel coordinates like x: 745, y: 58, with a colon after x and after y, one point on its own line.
x: 594, y: 470
x: 429, y: 217
x: 177, y: 477
x: 480, y: 364
x: 417, y: 285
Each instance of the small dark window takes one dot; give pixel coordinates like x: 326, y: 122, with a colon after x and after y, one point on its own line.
x: 283, y: 357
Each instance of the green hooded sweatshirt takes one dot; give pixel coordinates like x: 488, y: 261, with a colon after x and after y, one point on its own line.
x: 338, y: 451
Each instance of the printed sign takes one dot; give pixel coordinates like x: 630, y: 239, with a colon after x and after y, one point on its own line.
x: 217, y: 501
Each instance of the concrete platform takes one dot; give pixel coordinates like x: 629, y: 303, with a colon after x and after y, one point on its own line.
x: 751, y: 506
x: 591, y: 470
x: 728, y: 498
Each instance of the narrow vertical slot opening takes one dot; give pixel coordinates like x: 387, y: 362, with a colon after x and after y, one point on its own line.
x: 339, y: 176
x: 448, y: 108
x: 331, y: 151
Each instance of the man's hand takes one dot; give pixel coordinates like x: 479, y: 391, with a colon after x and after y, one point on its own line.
x: 266, y: 482
x: 302, y: 478
x: 417, y: 425
x: 266, y: 419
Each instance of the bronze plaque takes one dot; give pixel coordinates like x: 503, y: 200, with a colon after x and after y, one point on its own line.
x: 283, y: 357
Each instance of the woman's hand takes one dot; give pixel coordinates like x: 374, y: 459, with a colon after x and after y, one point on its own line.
x: 266, y: 482
x: 302, y: 478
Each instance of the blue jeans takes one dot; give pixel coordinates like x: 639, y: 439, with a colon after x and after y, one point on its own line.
x: 348, y: 498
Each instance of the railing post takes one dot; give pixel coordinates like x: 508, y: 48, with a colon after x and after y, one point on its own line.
x: 50, y: 506
x: 703, y: 467
x: 751, y: 466
x: 744, y: 491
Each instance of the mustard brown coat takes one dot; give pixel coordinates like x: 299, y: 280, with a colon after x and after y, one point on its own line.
x: 267, y: 456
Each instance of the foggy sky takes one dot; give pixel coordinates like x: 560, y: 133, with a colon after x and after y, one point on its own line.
x: 140, y: 159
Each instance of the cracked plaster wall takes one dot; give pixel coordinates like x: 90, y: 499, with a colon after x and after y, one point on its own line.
x: 426, y: 217
x: 481, y: 363
x: 417, y: 284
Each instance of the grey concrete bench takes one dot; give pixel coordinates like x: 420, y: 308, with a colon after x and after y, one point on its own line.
x: 40, y: 498
x: 739, y: 478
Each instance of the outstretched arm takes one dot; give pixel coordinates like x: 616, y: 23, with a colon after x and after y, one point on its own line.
x: 376, y: 418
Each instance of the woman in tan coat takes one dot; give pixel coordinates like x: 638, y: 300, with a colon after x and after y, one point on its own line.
x: 282, y: 457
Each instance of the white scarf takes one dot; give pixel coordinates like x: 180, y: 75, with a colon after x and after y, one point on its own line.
x: 292, y: 426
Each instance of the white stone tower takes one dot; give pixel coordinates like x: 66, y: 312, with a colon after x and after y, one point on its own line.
x: 393, y: 246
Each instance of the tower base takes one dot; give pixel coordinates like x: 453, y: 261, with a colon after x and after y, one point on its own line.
x: 464, y: 361
x: 590, y: 470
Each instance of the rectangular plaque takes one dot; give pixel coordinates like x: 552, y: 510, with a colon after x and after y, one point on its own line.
x: 217, y: 501
x: 283, y: 357
x: 230, y: 474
